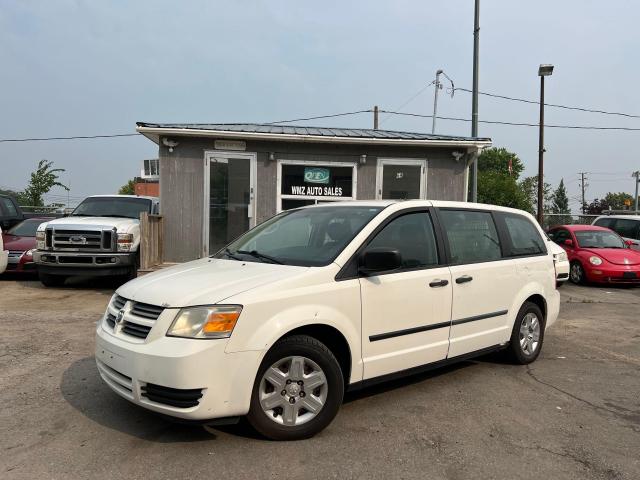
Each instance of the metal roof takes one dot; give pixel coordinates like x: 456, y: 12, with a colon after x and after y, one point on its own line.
x: 302, y: 133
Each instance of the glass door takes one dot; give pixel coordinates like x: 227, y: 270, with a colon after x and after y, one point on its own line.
x: 230, y: 203
x: 401, y: 179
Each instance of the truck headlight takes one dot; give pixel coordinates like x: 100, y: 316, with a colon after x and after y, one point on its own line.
x: 595, y: 260
x: 215, y: 321
x: 40, y: 240
x: 125, y: 242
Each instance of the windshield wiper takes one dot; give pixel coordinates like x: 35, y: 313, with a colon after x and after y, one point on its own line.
x: 230, y: 254
x: 261, y: 256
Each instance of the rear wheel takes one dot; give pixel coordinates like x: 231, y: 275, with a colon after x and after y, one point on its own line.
x: 576, y: 274
x: 49, y: 280
x: 527, y: 335
x: 298, y: 389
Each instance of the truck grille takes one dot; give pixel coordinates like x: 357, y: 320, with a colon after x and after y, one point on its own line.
x: 173, y: 397
x: 80, y: 240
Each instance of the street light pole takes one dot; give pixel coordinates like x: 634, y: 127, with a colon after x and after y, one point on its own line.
x: 543, y: 71
x: 474, y: 94
x: 636, y: 174
x: 435, y: 101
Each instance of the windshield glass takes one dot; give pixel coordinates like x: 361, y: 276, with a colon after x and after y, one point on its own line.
x: 599, y: 239
x: 307, y: 237
x: 26, y: 228
x: 112, y: 207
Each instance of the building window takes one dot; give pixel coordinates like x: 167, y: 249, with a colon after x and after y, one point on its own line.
x: 302, y: 183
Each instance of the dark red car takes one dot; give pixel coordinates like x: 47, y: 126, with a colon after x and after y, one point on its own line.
x: 597, y: 254
x: 20, y: 240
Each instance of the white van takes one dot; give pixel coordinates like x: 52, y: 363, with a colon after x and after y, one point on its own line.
x: 328, y: 298
x: 4, y: 254
x: 627, y: 226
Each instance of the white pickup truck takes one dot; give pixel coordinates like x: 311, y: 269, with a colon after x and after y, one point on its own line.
x: 100, y: 238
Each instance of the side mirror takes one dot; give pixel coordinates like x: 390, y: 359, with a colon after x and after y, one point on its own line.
x: 568, y: 242
x: 378, y: 260
x: 629, y: 243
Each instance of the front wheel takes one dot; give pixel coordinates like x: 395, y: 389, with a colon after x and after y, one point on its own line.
x: 527, y: 335
x: 298, y: 389
x: 576, y: 274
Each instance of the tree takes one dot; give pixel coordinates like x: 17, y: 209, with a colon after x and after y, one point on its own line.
x: 560, y: 200
x: 42, y: 180
x: 595, y: 208
x: 498, y: 172
x: 128, y: 188
x: 615, y: 201
x: 529, y: 187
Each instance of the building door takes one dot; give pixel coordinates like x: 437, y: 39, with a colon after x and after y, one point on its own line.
x: 401, y: 179
x: 230, y: 198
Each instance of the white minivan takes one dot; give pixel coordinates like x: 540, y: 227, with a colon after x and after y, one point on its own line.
x: 323, y: 299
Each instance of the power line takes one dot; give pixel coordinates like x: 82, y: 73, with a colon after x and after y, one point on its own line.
x: 75, y: 137
x: 523, y: 100
x: 519, y: 124
x: 410, y: 99
x: 321, y: 116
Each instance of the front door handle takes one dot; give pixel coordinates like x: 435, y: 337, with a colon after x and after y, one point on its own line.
x: 439, y: 283
x: 464, y: 279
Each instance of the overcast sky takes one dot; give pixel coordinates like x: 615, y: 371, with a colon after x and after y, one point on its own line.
x: 86, y: 67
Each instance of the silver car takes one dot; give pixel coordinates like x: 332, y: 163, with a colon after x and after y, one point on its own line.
x: 627, y: 226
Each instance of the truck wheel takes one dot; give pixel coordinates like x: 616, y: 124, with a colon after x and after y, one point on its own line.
x: 49, y: 280
x: 527, y: 335
x: 298, y: 389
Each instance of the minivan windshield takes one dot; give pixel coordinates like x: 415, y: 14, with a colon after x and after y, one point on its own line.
x: 125, y: 207
x: 307, y: 237
x: 598, y: 239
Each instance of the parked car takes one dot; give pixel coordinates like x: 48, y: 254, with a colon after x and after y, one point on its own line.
x: 100, y: 238
x: 4, y: 254
x: 597, y: 254
x: 627, y: 226
x: 20, y: 240
x: 560, y: 262
x: 10, y: 212
x: 325, y: 298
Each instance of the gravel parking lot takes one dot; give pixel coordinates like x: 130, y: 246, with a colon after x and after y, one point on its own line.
x: 575, y: 413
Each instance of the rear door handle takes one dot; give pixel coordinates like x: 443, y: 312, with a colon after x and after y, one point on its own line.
x: 439, y: 283
x: 464, y: 279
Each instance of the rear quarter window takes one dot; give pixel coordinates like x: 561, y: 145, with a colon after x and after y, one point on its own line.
x: 471, y: 236
x: 523, y: 238
x: 626, y: 227
x: 604, y: 222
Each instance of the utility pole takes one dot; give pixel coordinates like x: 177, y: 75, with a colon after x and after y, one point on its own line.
x: 375, y: 117
x: 474, y: 94
x: 636, y: 174
x: 438, y: 86
x: 583, y: 186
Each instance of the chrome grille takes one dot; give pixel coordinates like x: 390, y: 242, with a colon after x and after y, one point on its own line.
x: 145, y: 310
x: 80, y: 240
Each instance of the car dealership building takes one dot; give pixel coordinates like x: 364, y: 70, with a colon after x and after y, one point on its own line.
x: 219, y: 180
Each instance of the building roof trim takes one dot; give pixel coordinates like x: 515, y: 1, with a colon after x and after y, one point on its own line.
x: 308, y: 134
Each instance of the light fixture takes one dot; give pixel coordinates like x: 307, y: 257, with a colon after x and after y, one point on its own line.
x: 457, y: 155
x: 272, y: 156
x: 363, y: 159
x: 167, y: 142
x: 545, y: 69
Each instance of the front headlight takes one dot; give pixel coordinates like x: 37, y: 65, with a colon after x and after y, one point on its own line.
x: 595, y: 260
x: 561, y: 257
x: 40, y: 240
x: 125, y: 242
x: 215, y: 321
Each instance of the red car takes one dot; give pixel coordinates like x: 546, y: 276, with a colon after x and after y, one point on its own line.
x: 597, y: 254
x: 20, y: 240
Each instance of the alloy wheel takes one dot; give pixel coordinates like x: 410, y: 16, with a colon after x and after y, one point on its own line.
x: 293, y: 391
x: 530, y: 333
x: 576, y: 273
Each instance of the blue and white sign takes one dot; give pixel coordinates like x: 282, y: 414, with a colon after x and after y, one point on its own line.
x: 316, y: 175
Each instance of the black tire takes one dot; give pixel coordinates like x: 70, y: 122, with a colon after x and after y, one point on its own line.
x: 49, y: 280
x: 309, y: 347
x: 576, y: 273
x: 516, y: 352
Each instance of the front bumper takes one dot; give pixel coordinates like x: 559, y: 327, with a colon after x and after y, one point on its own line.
x: 154, y: 372
x: 623, y: 274
x: 83, y: 263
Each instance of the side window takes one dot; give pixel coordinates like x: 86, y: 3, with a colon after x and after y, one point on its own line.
x: 523, y: 236
x: 9, y: 207
x: 559, y: 236
x: 471, y: 235
x: 628, y: 228
x: 413, y: 236
x: 604, y: 222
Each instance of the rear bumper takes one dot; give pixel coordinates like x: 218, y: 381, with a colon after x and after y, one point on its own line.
x: 84, y: 263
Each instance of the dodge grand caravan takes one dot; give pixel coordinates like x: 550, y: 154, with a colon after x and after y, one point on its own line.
x: 323, y: 299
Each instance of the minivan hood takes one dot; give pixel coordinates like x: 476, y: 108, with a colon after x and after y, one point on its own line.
x: 121, y: 224
x: 204, y: 282
x: 617, y: 256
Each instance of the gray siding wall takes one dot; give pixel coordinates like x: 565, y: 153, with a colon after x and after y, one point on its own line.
x: 182, y: 181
